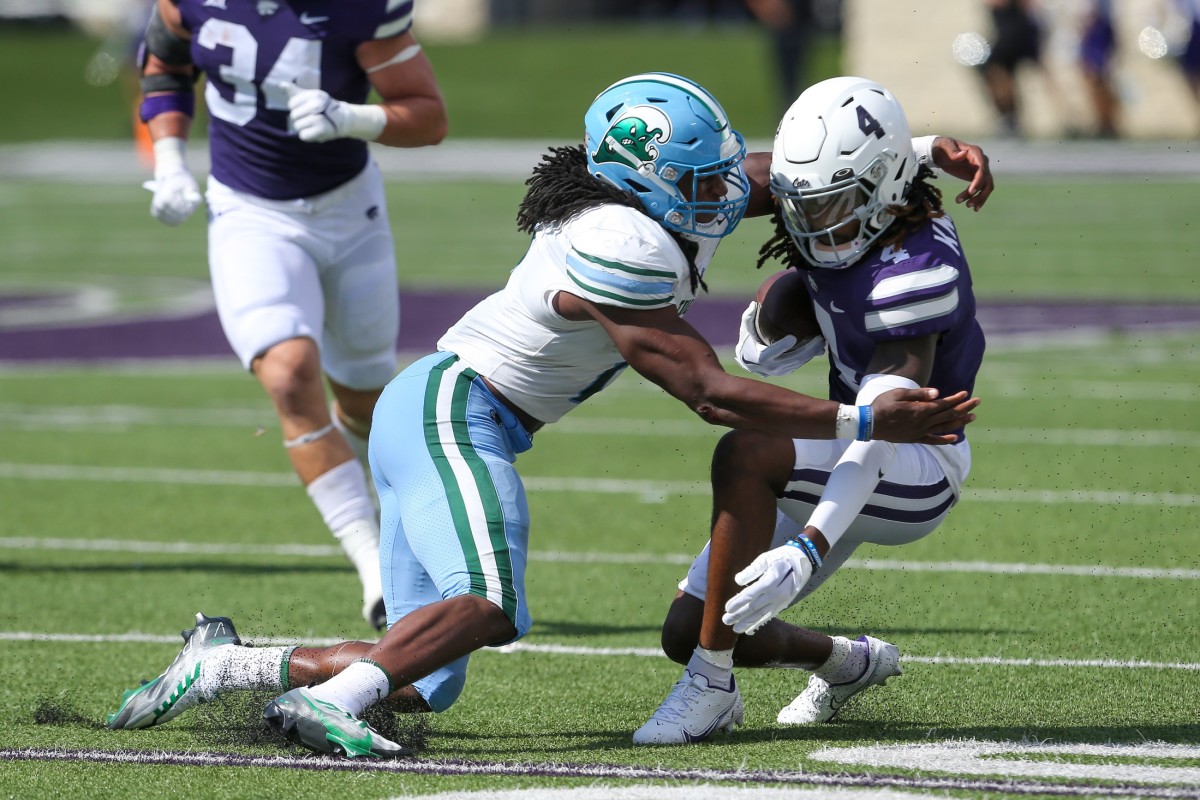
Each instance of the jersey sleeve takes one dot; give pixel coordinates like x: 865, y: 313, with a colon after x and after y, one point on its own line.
x: 381, y: 19
x: 919, y: 300
x: 622, y: 258
x: 397, y: 19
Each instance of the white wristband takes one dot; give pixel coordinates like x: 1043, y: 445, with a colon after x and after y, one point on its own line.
x: 364, y: 122
x: 847, y: 422
x: 923, y: 150
x: 168, y: 155
x: 855, y: 422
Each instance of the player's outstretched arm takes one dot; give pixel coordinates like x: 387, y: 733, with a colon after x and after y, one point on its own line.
x: 661, y: 346
x: 956, y: 158
x: 900, y: 410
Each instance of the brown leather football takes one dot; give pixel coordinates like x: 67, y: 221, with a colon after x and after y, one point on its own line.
x: 784, y: 307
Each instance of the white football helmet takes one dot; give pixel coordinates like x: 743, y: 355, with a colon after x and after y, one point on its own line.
x: 843, y: 154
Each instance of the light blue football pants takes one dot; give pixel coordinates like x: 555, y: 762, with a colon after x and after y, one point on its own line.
x: 454, y: 519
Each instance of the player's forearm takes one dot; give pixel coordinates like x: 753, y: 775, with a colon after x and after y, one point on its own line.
x: 746, y: 404
x: 414, y: 122
x: 849, y: 487
x: 172, y: 124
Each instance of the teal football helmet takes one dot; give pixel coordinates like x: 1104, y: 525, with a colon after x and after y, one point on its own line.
x: 660, y: 136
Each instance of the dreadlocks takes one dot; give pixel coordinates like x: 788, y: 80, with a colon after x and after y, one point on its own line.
x: 925, y: 203
x: 561, y: 187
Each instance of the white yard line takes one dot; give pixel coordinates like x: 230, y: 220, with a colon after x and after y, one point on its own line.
x: 647, y: 490
x: 566, y: 557
x: 136, y: 637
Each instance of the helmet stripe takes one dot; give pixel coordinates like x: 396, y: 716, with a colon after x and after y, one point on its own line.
x: 707, y: 100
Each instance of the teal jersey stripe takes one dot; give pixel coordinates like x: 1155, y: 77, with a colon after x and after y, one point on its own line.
x: 617, y: 265
x: 619, y: 283
x: 621, y: 298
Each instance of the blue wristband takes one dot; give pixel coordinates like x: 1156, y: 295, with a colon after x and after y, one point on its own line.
x: 804, y: 543
x: 866, y: 423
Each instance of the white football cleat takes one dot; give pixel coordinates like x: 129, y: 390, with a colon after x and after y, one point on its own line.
x: 692, y: 712
x: 821, y: 701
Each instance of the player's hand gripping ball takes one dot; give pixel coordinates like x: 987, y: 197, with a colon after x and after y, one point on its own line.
x: 784, y: 308
x: 779, y: 331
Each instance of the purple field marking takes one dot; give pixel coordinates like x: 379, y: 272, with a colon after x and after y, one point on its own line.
x: 426, y: 315
x: 567, y: 770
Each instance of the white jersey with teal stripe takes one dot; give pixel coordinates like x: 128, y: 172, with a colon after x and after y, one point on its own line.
x: 611, y: 255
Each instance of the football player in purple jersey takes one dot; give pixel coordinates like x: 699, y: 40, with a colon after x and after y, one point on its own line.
x: 889, y: 283
x: 300, y: 248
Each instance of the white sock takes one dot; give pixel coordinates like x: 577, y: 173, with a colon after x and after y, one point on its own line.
x: 360, y: 685
x: 230, y: 666
x: 846, y: 663
x: 715, y: 665
x: 341, y: 497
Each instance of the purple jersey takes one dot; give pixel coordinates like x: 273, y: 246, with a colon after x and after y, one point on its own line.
x: 248, y: 49
x: 918, y: 288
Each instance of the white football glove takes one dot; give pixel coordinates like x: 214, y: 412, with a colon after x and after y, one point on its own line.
x: 176, y: 195
x: 777, y: 358
x: 772, y: 582
x: 317, y: 117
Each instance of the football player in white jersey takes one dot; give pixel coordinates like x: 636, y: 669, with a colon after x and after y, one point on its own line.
x: 299, y: 244
x: 623, y: 229
x: 886, y: 275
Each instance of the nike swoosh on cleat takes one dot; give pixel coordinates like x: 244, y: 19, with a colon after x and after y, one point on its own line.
x: 700, y: 737
x: 361, y: 742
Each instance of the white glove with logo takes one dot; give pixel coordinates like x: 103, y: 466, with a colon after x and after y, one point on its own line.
x: 772, y: 582
x: 777, y: 358
x: 317, y: 117
x: 176, y: 195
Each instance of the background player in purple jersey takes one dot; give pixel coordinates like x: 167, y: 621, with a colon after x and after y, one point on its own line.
x: 300, y: 249
x: 890, y: 286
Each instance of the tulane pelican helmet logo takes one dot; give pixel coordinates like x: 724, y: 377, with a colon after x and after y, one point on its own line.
x: 634, y: 137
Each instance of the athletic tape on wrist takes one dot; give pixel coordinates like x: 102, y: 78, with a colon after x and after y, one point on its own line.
x: 848, y: 422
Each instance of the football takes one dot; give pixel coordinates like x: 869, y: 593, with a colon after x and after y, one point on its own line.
x: 784, y: 308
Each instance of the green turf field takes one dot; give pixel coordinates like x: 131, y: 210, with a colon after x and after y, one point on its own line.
x: 1057, y: 605
x: 1054, y: 614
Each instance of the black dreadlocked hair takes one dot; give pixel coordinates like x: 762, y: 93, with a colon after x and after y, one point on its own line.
x: 925, y: 203
x: 561, y: 187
